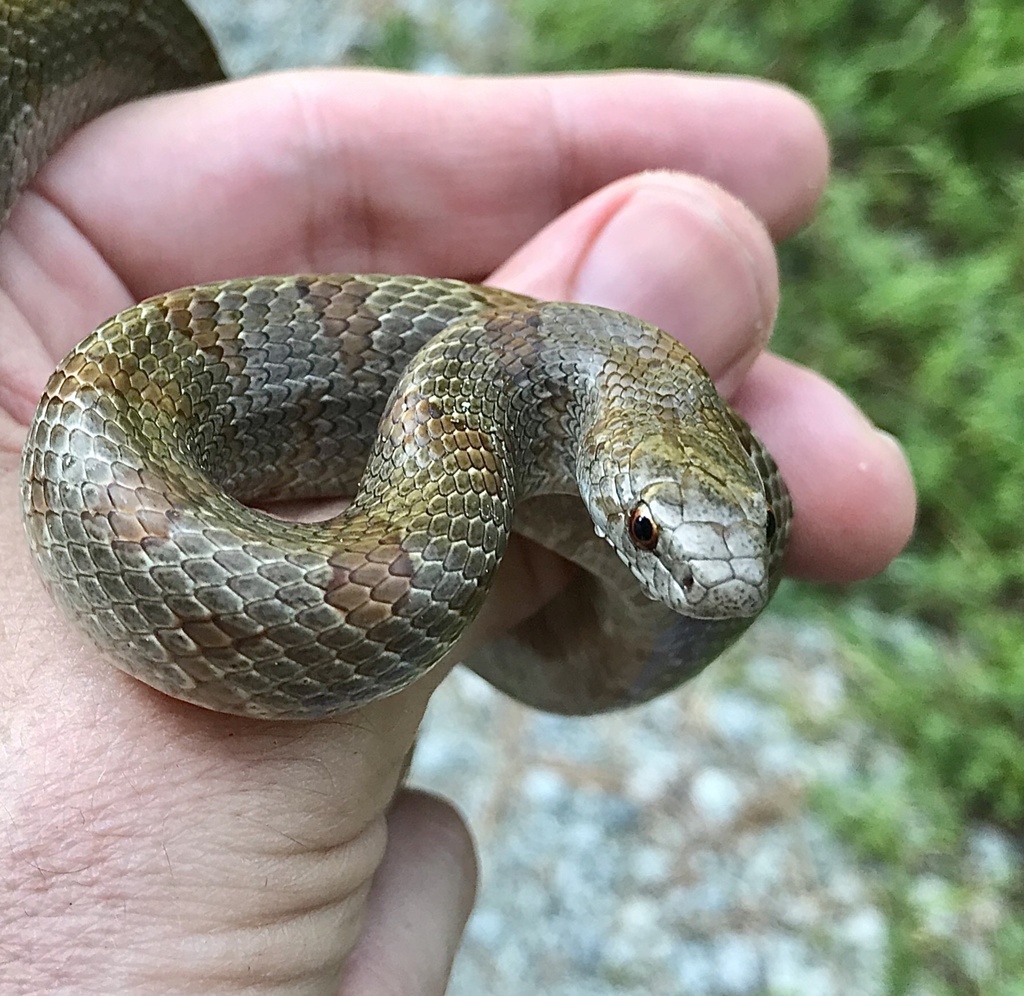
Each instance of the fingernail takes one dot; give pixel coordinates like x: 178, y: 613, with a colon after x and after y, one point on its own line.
x: 892, y: 441
x: 684, y: 255
x: 900, y: 461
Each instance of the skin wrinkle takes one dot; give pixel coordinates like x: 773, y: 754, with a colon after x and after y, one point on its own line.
x: 29, y: 362
x: 209, y: 958
x: 319, y: 882
x: 562, y: 148
x: 419, y: 967
x: 573, y: 162
x: 54, y: 263
x: 313, y: 143
x: 56, y: 267
x: 356, y: 217
x: 426, y: 177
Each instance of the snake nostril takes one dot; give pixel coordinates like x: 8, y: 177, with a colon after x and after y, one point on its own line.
x: 687, y: 578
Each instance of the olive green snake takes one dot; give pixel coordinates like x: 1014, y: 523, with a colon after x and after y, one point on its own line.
x: 451, y: 414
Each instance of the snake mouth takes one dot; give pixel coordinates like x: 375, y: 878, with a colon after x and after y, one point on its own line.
x: 716, y: 589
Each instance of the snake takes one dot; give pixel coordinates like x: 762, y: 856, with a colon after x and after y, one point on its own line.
x: 451, y: 415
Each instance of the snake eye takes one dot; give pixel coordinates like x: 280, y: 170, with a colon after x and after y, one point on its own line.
x: 643, y: 530
x: 770, y: 525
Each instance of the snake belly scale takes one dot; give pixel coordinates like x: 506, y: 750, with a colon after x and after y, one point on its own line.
x: 452, y: 415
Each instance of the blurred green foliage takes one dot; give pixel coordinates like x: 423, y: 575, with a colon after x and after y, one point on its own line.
x: 908, y: 290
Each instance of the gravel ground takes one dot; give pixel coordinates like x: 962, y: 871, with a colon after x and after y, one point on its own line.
x: 256, y: 35
x: 667, y: 849
x: 674, y: 848
x: 671, y: 849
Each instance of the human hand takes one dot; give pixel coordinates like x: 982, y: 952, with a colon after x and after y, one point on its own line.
x: 152, y: 846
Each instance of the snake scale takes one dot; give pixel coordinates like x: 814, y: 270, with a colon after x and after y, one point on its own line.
x: 451, y: 414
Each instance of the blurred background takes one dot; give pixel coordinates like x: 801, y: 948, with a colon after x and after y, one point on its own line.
x: 836, y: 807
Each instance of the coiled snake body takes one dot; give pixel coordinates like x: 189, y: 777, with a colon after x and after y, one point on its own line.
x: 453, y: 413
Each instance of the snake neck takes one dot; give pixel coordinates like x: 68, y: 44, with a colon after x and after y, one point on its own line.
x: 497, y: 403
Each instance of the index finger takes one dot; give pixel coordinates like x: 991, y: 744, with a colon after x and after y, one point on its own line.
x: 342, y: 170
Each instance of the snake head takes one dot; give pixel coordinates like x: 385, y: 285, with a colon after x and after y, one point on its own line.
x: 692, y: 523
